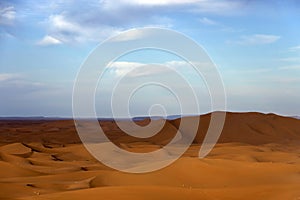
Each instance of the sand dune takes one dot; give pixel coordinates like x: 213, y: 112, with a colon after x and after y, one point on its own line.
x: 257, y: 157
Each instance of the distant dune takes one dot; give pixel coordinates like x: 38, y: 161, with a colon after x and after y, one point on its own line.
x: 249, y: 128
x: 257, y: 157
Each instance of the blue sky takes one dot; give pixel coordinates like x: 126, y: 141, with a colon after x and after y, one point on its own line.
x: 255, y: 45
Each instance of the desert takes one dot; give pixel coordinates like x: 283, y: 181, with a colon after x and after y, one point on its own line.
x: 256, y: 157
x: 149, y: 100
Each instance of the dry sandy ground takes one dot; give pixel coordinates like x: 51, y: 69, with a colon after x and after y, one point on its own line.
x: 257, y: 157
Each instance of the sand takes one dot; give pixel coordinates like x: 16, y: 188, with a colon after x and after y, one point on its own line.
x: 257, y: 157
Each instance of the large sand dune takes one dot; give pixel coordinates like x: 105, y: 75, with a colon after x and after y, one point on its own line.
x: 257, y: 157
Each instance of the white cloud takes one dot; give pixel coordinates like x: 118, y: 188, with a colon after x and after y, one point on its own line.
x: 8, y: 77
x: 128, y: 36
x: 6, y: 35
x: 97, y: 20
x: 48, y: 40
x: 290, y: 59
x: 120, y: 68
x: 7, y: 15
x: 251, y: 71
x: 63, y: 30
x: 204, y: 6
x: 296, y: 48
x: 207, y: 21
x: 72, y: 30
x: 219, y: 7
x: 256, y: 39
x: 137, y: 69
x: 160, y: 2
x: 22, y: 96
x: 290, y: 67
x: 16, y: 80
x: 59, y: 22
x: 218, y: 25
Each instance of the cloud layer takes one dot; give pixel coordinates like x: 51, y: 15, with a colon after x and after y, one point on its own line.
x: 256, y: 39
x: 96, y: 20
x: 7, y: 15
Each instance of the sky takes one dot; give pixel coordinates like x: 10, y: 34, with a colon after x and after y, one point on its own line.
x: 254, y: 44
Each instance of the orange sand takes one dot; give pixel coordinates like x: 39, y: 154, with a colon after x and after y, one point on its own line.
x: 257, y: 157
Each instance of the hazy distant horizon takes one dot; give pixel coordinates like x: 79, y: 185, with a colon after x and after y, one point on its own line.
x: 173, y: 116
